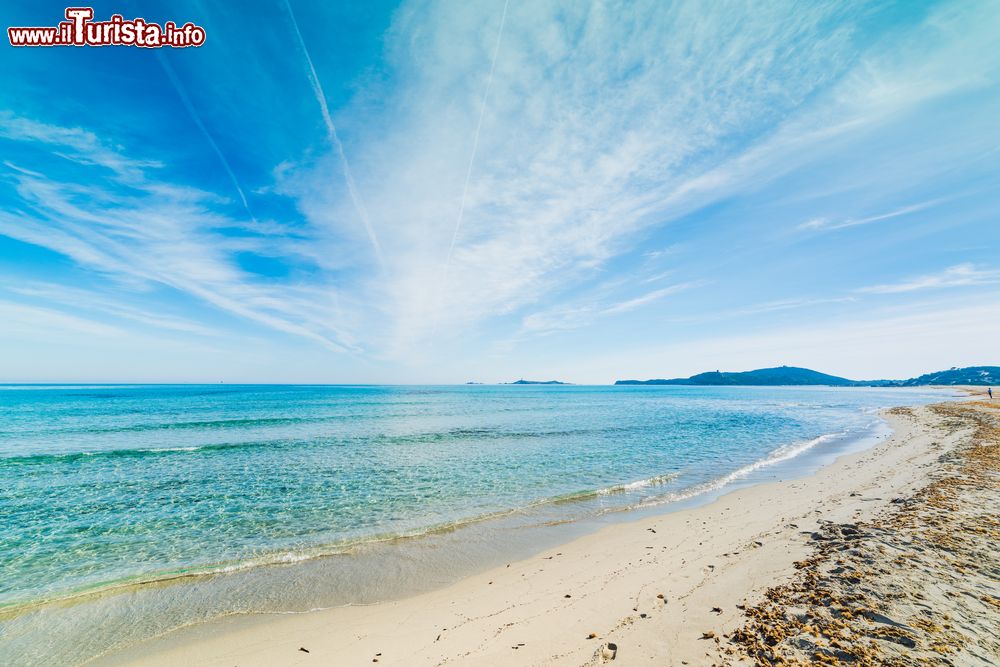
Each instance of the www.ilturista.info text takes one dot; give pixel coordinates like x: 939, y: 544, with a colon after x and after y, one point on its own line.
x: 81, y: 30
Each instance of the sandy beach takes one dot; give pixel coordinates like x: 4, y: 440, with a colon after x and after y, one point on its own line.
x: 500, y: 333
x: 734, y: 581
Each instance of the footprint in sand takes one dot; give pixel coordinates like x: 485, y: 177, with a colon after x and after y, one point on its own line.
x: 609, y: 651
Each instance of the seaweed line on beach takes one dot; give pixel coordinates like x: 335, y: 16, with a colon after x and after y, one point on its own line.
x: 918, y: 585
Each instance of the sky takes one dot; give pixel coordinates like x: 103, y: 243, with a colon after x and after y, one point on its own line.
x: 449, y: 191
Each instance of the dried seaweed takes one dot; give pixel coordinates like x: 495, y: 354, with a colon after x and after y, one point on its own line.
x: 918, y: 585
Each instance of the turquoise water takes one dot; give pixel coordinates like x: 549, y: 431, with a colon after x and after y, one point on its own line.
x: 106, y: 487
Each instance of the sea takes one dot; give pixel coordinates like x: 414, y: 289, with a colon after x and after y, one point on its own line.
x: 127, y: 511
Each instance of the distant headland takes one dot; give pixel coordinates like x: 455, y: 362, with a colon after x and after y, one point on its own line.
x: 791, y: 375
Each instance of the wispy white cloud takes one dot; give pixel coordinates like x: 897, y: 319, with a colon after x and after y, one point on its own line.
x: 63, y: 297
x: 594, y: 126
x: 24, y: 319
x: 563, y: 318
x: 658, y: 276
x: 598, y: 129
x: 960, y: 275
x: 139, y: 230
x: 826, y: 224
x: 790, y: 304
x: 77, y: 144
x: 648, y: 297
x: 654, y: 255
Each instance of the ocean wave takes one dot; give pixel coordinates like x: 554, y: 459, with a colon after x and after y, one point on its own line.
x: 286, y: 557
x: 615, y: 489
x: 303, y: 441
x: 656, y: 480
x: 43, y: 387
x: 208, y: 424
x: 136, y: 452
x: 778, y: 455
x: 337, y: 548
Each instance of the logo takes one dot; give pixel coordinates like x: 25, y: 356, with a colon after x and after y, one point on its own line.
x: 79, y: 29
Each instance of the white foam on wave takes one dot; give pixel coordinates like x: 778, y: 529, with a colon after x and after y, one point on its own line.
x: 658, y: 480
x: 277, y: 559
x: 783, y: 453
x: 192, y: 448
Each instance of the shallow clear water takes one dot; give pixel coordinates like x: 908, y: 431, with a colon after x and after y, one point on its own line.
x: 104, y: 486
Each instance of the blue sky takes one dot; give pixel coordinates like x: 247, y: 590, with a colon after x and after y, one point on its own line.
x: 450, y: 191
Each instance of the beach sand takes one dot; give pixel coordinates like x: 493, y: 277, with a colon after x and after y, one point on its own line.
x: 886, y: 555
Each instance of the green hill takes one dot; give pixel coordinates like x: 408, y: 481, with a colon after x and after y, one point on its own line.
x: 976, y: 375
x: 782, y: 375
x: 793, y: 376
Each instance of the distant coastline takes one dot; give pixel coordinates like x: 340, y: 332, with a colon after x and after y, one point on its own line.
x: 794, y: 376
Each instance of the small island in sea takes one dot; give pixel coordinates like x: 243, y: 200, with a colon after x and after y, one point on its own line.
x: 793, y: 376
x: 523, y: 381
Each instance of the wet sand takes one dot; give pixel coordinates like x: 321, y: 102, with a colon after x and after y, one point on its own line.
x: 888, y: 554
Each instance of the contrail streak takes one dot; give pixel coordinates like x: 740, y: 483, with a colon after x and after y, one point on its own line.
x: 475, y: 141
x: 352, y: 188
x: 201, y: 126
x: 443, y: 277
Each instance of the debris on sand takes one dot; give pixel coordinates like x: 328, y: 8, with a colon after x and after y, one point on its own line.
x: 910, y: 587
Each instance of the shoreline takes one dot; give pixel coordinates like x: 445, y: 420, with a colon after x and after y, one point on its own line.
x: 794, y: 456
x: 791, y: 460
x: 606, y: 583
